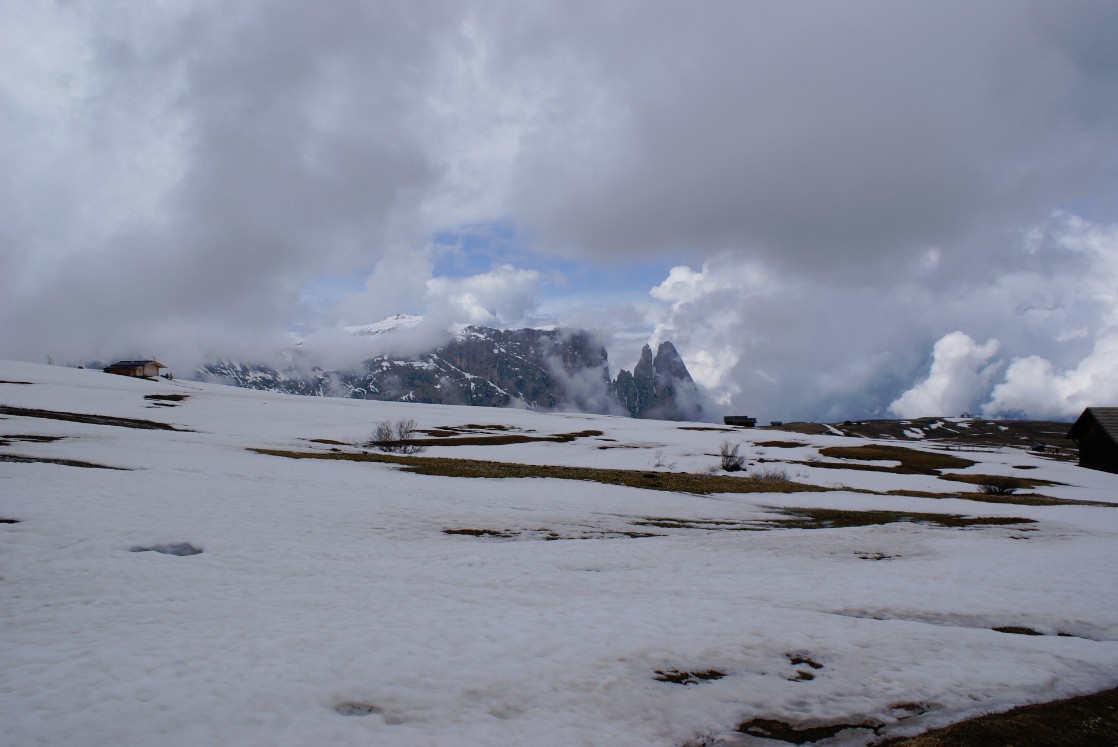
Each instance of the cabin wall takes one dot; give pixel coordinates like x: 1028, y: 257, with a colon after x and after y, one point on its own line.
x: 1097, y: 451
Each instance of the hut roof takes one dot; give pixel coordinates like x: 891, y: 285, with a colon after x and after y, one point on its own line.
x: 1105, y: 417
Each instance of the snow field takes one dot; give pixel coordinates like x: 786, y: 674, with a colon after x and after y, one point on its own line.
x: 327, y: 584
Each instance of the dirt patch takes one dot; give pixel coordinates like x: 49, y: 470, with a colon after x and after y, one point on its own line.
x: 677, y: 677
x: 26, y: 383
x: 681, y: 482
x: 74, y: 417
x: 9, y: 521
x: 1085, y: 721
x: 780, y: 444
x: 912, y: 461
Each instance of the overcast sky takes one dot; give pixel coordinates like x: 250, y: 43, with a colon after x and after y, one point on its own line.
x: 834, y: 210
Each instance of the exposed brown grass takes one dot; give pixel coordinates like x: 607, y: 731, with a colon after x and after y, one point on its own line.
x: 780, y: 444
x: 831, y: 518
x: 1006, y: 482
x: 1032, y: 499
x: 1085, y: 721
x: 74, y: 417
x: 63, y: 462
x: 502, y: 440
x: 912, y: 461
x: 681, y: 482
x: 677, y: 677
x: 470, y: 532
x: 828, y: 518
x: 705, y: 428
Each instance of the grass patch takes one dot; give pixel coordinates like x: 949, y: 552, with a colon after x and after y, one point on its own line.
x: 912, y: 461
x: 1085, y: 721
x: 780, y: 444
x: 74, y: 417
x: 680, y: 482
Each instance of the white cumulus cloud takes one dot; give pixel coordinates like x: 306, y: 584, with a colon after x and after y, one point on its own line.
x: 960, y: 375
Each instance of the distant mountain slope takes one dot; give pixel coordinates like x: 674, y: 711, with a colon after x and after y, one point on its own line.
x: 543, y: 369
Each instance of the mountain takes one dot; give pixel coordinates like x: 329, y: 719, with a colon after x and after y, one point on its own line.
x: 659, y: 387
x: 540, y: 369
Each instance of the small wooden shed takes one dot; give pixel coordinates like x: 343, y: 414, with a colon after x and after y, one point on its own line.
x: 147, y: 369
x: 740, y: 420
x: 1096, y: 432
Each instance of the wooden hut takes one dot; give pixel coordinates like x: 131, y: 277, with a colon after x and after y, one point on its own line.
x: 147, y: 369
x: 1096, y: 432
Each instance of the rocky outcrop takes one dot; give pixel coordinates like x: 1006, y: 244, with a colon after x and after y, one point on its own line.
x: 659, y: 387
x: 544, y: 369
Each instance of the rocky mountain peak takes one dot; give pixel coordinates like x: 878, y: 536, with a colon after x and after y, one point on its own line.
x: 659, y: 387
x: 546, y: 369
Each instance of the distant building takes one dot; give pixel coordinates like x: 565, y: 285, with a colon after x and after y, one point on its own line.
x: 148, y: 369
x: 743, y: 420
x: 1096, y: 432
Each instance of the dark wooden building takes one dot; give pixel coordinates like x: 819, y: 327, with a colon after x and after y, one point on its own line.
x: 1096, y: 432
x: 147, y: 369
x: 742, y: 420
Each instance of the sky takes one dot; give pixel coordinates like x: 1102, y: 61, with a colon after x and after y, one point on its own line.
x: 834, y: 210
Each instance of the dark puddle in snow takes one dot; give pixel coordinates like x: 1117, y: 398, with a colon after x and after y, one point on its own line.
x: 182, y: 549
x: 356, y: 709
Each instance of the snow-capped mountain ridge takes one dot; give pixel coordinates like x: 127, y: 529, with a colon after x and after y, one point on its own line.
x: 547, y: 368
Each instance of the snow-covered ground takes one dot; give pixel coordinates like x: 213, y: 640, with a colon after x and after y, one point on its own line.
x: 330, y: 607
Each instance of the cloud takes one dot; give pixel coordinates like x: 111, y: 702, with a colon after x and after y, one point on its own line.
x: 838, y: 187
x: 1034, y: 388
x: 846, y: 138
x: 960, y: 375
x: 502, y: 297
